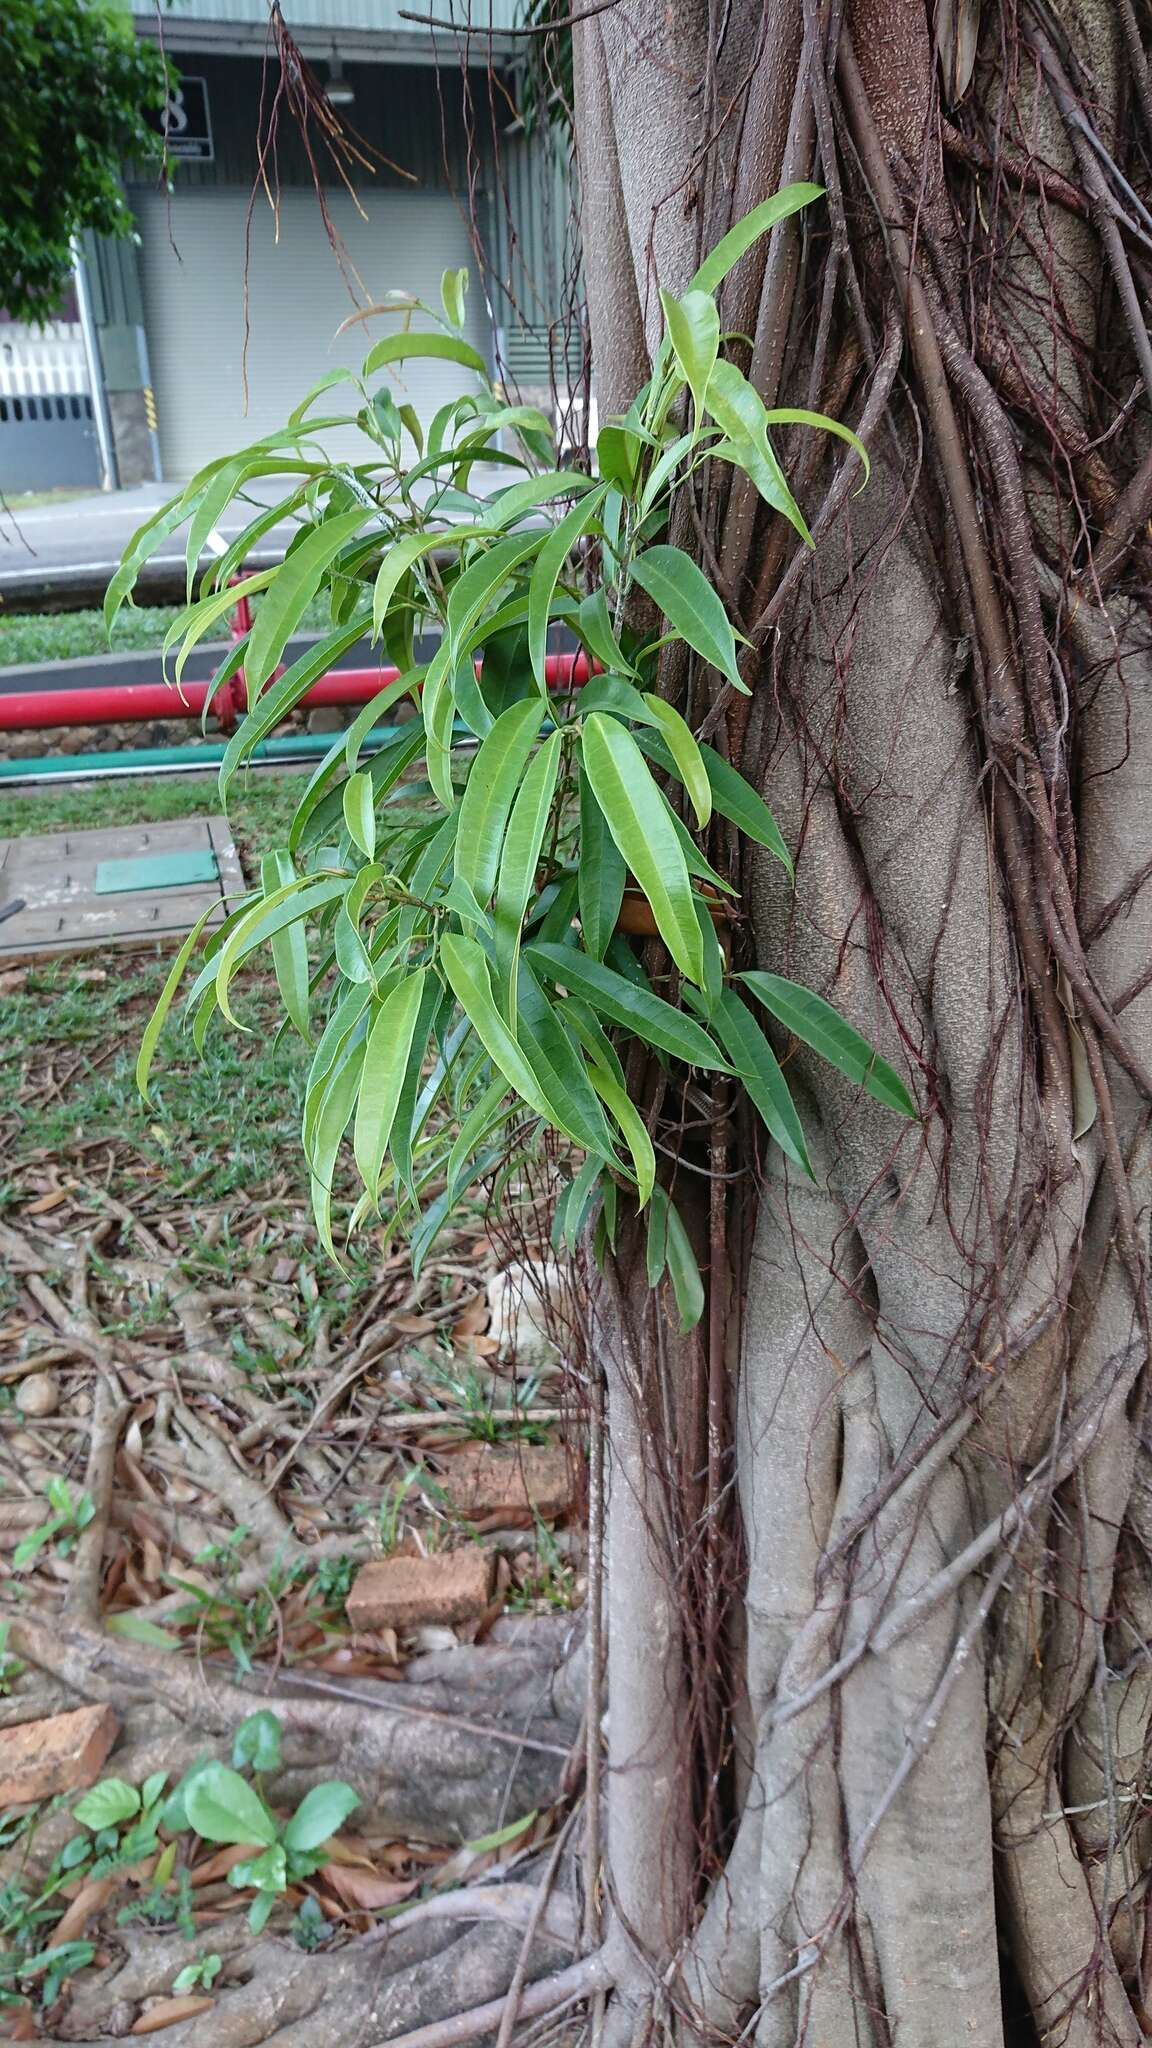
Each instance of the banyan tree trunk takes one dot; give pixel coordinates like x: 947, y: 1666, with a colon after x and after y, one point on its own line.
x: 880, y: 1590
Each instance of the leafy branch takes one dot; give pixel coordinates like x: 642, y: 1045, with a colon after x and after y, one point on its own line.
x: 476, y: 956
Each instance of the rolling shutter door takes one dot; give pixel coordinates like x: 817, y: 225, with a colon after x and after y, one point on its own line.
x: 194, y: 309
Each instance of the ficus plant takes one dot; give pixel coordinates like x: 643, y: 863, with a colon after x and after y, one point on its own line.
x: 466, y: 954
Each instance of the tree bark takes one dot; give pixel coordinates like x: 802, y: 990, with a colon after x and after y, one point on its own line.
x: 932, y: 1828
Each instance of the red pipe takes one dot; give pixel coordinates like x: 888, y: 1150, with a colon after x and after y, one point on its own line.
x: 113, y: 704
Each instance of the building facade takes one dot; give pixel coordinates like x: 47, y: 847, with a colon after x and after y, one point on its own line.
x: 213, y: 323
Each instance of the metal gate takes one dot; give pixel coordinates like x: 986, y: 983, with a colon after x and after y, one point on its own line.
x: 47, y: 434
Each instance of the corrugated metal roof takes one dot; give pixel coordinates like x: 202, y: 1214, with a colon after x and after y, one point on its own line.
x: 382, y: 16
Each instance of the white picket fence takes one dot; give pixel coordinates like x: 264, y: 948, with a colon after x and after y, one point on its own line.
x: 40, y: 361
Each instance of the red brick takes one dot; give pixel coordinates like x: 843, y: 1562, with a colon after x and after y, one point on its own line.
x: 400, y: 1592
x: 482, y: 1482
x: 64, y: 1754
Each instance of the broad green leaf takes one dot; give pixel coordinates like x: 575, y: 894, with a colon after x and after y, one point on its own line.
x: 601, y: 874
x: 453, y: 286
x: 690, y: 605
x: 398, y: 348
x: 547, y: 571
x: 320, y: 1814
x: 493, y: 781
x: 739, y: 409
x: 289, y: 948
x: 268, y: 1874
x: 645, y: 1015
x: 808, y: 1017
x: 257, y: 1742
x: 155, y: 1024
x: 466, y: 967
x: 634, y: 1128
x: 685, y: 751
x: 360, y: 812
x: 382, y: 1078
x: 694, y: 331
x: 292, y: 590
x: 222, y: 1807
x: 638, y: 821
x: 107, y: 1804
x: 761, y: 1074
x: 618, y: 451
x: 523, y: 840
x: 739, y: 239
x: 559, y: 1067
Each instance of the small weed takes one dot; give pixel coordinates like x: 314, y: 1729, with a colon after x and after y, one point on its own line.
x: 158, y: 1907
x: 309, y: 1928
x: 11, y: 1666
x: 552, y: 1583
x: 200, y: 1975
x: 69, y: 1516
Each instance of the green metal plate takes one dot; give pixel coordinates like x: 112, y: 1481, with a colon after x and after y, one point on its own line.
x: 156, y: 871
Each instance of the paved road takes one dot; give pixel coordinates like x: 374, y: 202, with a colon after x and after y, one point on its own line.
x: 77, y: 542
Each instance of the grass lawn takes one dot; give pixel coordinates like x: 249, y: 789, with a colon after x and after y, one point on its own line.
x: 64, y: 636
x: 260, y: 807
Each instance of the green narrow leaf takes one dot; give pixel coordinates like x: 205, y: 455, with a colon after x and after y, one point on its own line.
x: 796, y: 416
x: 398, y: 348
x: 407, y: 1120
x: 492, y: 785
x: 264, y: 920
x: 453, y: 287
x: 547, y: 571
x: 690, y: 605
x: 733, y: 797
x: 739, y: 239
x: 360, y: 812
x: 559, y: 1067
x: 292, y: 589
x: 283, y: 695
x: 761, y: 1073
x: 400, y: 556
x: 683, y: 1270
x: 634, y: 1128
x: 155, y: 1024
x: 382, y: 1078
x: 739, y: 409
x: 519, y: 860
x: 331, y: 1122
x: 808, y: 1017
x: 492, y: 1110
x: 289, y: 948
x: 694, y: 331
x: 601, y: 874
x: 645, y: 1015
x: 685, y: 752
x: 594, y: 626
x: 466, y: 967
x: 638, y: 821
